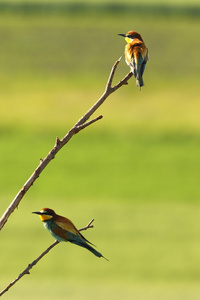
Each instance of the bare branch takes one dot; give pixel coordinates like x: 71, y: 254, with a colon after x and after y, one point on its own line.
x: 60, y: 143
x: 108, y: 90
x: 31, y: 265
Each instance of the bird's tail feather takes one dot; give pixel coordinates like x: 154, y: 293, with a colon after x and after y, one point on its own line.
x: 139, y: 82
x: 139, y: 69
x: 88, y: 247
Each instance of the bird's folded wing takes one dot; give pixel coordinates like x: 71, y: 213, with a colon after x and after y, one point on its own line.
x: 65, y: 227
x: 67, y: 234
x: 66, y: 224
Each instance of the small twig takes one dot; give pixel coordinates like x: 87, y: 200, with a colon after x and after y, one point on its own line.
x: 88, y: 226
x: 60, y: 143
x: 31, y: 265
x: 110, y: 79
x: 81, y: 127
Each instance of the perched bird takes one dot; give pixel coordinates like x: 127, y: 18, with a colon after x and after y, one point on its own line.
x: 62, y: 229
x: 136, y: 55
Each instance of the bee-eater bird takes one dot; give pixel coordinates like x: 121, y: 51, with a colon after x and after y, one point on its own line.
x: 62, y: 229
x: 136, y: 55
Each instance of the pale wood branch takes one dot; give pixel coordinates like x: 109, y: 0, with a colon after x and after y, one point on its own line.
x: 80, y: 125
x: 31, y: 265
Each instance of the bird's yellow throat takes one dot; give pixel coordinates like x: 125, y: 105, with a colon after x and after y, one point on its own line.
x: 128, y: 40
x: 45, y: 217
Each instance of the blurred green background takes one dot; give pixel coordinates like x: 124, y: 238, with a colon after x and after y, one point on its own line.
x: 136, y: 171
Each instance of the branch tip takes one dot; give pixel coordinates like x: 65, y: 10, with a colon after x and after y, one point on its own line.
x: 57, y: 141
x: 120, y: 59
x: 89, y: 225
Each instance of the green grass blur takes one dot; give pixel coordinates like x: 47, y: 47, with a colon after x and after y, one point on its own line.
x: 136, y: 171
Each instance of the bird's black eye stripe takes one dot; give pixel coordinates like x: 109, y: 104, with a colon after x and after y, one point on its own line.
x: 130, y: 36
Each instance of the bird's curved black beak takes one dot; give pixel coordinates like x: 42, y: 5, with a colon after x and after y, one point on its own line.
x: 122, y: 34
